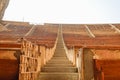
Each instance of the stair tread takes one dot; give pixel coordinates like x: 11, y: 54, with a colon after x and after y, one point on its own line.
x: 59, y: 64
x: 60, y: 67
x: 58, y: 73
x: 58, y: 61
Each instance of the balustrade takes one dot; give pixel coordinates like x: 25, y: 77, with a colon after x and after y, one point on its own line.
x: 29, y: 61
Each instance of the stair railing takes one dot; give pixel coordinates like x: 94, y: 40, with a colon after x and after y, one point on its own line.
x: 47, y: 52
x: 33, y: 57
x: 69, y: 52
x: 75, y: 56
x: 50, y: 51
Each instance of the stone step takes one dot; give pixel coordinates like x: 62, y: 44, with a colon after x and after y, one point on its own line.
x: 59, y: 54
x: 59, y: 46
x: 59, y: 62
x: 58, y: 65
x: 60, y: 43
x: 59, y: 69
x: 60, y: 57
x: 60, y: 51
x: 58, y: 76
x: 65, y: 57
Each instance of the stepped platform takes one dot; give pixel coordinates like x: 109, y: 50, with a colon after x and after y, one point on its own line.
x: 59, y: 67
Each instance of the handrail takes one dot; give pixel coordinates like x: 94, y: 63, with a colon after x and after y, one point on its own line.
x: 72, y: 56
x: 69, y: 52
x: 33, y: 57
x: 52, y: 50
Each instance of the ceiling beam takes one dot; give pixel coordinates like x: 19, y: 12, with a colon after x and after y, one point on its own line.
x: 89, y: 31
x: 114, y: 27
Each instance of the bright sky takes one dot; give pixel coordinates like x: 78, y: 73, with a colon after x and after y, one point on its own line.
x: 64, y: 11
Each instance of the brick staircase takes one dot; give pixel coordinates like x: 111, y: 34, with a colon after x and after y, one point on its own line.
x: 59, y: 67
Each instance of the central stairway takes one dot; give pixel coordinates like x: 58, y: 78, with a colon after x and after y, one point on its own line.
x: 59, y: 67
